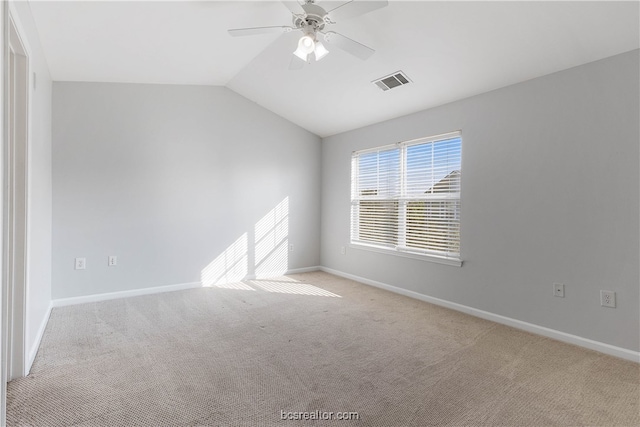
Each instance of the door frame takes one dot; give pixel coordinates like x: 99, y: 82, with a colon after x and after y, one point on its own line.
x: 4, y: 30
x: 15, y: 197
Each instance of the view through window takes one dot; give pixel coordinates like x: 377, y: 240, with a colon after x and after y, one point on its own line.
x: 406, y: 197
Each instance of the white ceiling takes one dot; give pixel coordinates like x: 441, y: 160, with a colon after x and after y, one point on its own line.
x: 451, y: 50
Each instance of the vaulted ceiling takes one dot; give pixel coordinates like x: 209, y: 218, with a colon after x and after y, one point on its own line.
x: 450, y: 50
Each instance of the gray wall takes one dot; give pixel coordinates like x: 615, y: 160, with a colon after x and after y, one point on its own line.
x: 39, y: 184
x: 168, y: 178
x: 550, y: 189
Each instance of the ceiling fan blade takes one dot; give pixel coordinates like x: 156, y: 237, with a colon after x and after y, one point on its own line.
x: 348, y: 45
x: 296, y: 63
x: 294, y: 7
x: 239, y: 32
x: 355, y: 8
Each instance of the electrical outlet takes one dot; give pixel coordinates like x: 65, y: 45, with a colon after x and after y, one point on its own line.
x: 558, y: 290
x: 81, y: 263
x: 343, y: 250
x: 113, y: 261
x: 608, y: 299
x: 291, y: 247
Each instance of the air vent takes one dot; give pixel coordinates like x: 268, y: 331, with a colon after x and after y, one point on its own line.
x: 394, y: 80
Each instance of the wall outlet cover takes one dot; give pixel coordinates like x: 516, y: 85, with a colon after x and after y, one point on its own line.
x: 558, y: 290
x: 608, y: 299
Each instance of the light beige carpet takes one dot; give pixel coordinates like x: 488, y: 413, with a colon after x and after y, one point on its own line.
x: 240, y: 355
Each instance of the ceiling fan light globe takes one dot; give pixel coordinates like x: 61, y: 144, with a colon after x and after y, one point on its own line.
x: 301, y: 54
x: 306, y: 44
x: 320, y: 51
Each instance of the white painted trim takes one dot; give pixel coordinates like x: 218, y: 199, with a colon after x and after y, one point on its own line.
x: 4, y: 38
x: 17, y: 315
x: 413, y: 255
x: 62, y: 302
x: 601, y: 347
x: 16, y: 22
x: 518, y: 324
x: 304, y: 270
x: 36, y: 343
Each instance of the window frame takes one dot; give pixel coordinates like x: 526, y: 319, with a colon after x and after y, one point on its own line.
x: 400, y: 248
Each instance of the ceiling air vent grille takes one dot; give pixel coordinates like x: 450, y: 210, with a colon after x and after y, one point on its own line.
x: 393, y: 80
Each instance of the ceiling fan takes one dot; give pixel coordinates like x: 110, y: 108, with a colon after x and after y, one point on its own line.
x: 311, y: 20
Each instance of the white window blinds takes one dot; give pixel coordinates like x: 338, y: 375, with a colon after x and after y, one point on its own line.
x: 406, y: 197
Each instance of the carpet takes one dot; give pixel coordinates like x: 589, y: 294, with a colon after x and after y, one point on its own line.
x: 289, y: 350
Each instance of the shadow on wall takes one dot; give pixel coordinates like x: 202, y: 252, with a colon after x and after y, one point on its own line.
x: 262, y: 252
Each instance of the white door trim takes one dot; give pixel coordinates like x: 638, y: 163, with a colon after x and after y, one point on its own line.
x: 4, y: 28
x: 15, y: 197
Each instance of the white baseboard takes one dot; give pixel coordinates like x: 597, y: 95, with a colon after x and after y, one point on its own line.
x: 272, y: 274
x: 304, y: 270
x: 519, y: 324
x: 620, y: 352
x: 35, y: 345
x: 61, y: 302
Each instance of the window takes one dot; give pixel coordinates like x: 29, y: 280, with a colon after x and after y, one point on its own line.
x: 405, y: 197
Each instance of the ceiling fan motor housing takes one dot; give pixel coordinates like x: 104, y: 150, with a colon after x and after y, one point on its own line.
x: 313, y: 20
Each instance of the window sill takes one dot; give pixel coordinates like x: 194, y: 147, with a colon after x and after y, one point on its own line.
x: 421, y: 257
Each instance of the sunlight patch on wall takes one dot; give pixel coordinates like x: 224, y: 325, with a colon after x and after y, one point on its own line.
x: 230, y: 267
x: 275, y: 263
x: 272, y: 243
